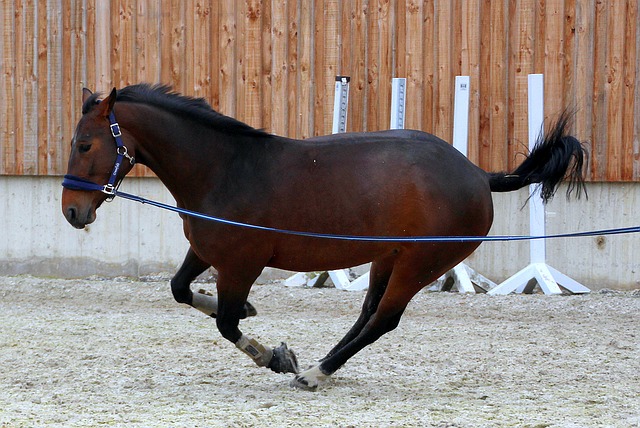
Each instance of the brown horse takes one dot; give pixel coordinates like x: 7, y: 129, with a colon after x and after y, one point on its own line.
x: 394, y: 183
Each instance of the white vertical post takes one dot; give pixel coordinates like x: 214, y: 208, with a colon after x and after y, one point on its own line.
x: 340, y: 104
x: 537, y: 247
x: 461, y: 115
x: 398, y: 102
x: 340, y: 278
x: 462, y: 276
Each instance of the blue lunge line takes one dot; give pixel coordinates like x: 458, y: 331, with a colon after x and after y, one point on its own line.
x: 76, y: 183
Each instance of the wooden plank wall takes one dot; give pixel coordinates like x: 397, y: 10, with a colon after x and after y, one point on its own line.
x: 272, y: 63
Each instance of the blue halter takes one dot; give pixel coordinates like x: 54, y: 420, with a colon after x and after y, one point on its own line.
x: 72, y: 182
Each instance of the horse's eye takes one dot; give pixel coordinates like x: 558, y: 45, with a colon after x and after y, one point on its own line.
x: 84, y: 148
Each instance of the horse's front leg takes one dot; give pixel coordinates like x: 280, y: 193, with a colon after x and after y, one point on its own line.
x: 192, y: 266
x: 233, y: 290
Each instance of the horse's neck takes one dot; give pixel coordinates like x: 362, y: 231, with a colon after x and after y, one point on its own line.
x: 173, y: 149
x: 185, y: 157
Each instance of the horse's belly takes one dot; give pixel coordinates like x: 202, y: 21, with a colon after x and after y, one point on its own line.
x: 317, y: 256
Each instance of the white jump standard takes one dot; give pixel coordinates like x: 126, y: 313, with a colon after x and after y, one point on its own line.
x: 537, y: 272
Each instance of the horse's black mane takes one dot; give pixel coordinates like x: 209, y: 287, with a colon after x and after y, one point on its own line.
x: 197, y: 109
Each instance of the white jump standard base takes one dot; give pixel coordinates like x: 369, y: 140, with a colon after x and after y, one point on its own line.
x: 465, y: 279
x: 549, y: 279
x: 340, y: 280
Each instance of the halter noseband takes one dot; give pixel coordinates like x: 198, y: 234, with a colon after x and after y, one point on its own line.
x: 72, y: 182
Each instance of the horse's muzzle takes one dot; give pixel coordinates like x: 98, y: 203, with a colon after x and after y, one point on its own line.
x: 78, y: 218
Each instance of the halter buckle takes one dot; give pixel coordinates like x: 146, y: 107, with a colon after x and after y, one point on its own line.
x: 115, y: 130
x: 110, y: 190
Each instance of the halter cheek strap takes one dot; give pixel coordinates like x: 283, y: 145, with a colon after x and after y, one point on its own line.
x: 121, y: 150
x: 72, y: 182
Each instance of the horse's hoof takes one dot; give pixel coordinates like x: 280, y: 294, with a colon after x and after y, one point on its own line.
x: 301, y: 383
x: 309, y: 379
x: 284, y: 360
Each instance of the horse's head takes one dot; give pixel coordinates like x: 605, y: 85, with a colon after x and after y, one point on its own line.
x: 95, y: 159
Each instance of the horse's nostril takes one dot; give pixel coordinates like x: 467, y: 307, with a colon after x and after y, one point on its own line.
x: 72, y: 214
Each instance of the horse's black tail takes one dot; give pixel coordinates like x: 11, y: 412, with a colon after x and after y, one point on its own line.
x: 556, y: 157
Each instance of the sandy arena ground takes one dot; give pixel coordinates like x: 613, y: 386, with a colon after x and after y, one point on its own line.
x: 113, y: 352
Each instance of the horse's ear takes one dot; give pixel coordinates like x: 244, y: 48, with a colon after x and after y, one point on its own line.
x: 106, y: 105
x: 86, y: 93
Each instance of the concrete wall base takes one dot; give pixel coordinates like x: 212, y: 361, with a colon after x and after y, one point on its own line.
x: 131, y: 239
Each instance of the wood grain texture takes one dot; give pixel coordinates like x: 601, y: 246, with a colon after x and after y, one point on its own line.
x: 272, y: 64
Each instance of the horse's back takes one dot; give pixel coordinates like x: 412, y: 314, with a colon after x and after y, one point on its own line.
x: 391, y: 136
x: 415, y: 155
x: 404, y: 145
x: 389, y: 182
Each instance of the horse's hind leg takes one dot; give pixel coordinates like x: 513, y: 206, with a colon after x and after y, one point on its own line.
x: 192, y: 266
x: 380, y: 273
x: 403, y: 285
